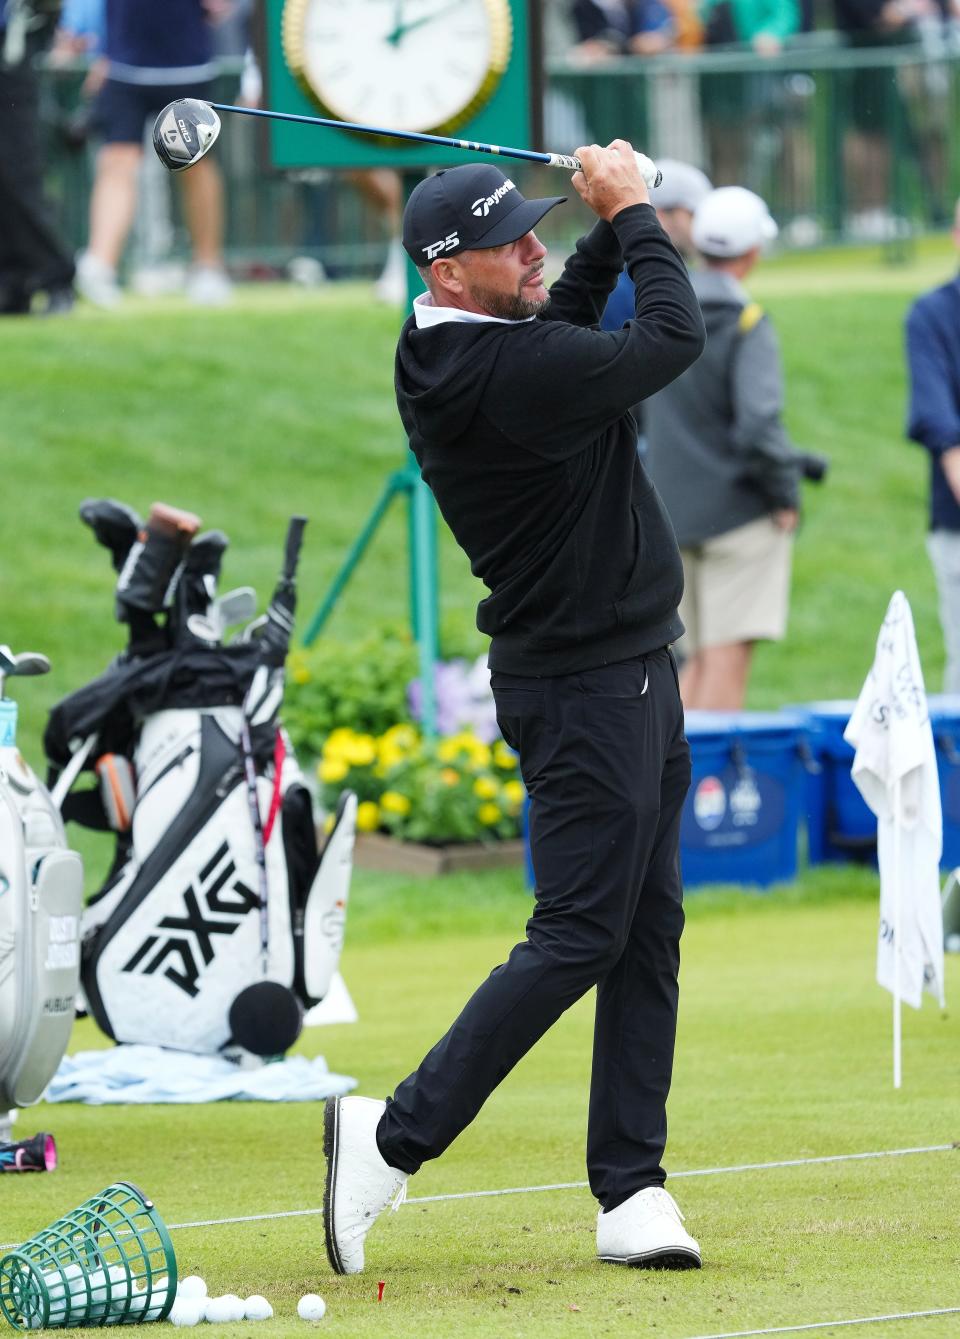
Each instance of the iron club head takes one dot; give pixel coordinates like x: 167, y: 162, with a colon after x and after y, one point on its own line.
x: 184, y: 131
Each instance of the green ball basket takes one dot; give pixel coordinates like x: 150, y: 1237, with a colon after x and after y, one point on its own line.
x: 108, y: 1262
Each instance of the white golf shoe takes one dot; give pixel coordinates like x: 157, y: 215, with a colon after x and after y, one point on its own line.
x: 647, y: 1230
x: 360, y: 1184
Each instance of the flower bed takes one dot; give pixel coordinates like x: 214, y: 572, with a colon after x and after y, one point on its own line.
x: 435, y: 792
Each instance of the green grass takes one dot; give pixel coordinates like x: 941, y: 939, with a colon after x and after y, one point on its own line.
x: 783, y: 1052
x: 285, y: 404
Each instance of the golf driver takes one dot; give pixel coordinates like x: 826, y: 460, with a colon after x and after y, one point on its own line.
x: 188, y: 128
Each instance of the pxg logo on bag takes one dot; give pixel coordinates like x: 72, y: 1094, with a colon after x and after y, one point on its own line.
x: 185, y: 937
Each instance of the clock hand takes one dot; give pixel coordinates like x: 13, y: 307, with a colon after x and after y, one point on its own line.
x: 401, y: 29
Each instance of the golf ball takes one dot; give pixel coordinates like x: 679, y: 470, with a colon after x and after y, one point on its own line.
x: 257, y: 1308
x: 311, y: 1307
x: 219, y: 1309
x: 236, y: 1304
x: 186, y: 1311
x: 192, y: 1286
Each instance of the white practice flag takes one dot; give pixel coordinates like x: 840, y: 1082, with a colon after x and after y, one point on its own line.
x: 895, y: 769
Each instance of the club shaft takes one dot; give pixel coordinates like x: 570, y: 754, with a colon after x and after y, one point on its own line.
x: 445, y: 141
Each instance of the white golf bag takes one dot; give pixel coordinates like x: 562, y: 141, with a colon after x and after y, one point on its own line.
x: 177, y: 950
x: 41, y: 897
x: 221, y: 922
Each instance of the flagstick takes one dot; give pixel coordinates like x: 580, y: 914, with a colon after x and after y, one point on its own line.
x: 897, y: 1039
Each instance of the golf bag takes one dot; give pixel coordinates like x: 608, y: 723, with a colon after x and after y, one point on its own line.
x: 221, y: 921
x: 41, y: 897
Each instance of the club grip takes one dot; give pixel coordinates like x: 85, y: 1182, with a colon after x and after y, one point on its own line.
x: 291, y: 555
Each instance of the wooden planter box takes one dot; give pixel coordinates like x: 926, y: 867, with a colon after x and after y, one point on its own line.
x: 373, y: 850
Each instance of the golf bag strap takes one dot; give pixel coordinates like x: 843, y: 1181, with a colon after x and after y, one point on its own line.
x: 279, y: 754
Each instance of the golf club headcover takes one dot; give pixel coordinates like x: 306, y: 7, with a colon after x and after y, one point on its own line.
x: 38, y: 1154
x: 266, y: 1018
x: 118, y: 789
x: 114, y: 525
x: 148, y: 579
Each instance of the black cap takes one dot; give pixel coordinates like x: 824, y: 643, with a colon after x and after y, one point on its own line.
x: 468, y: 208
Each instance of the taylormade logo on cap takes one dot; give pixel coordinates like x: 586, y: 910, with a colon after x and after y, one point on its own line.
x: 470, y: 208
x: 481, y: 208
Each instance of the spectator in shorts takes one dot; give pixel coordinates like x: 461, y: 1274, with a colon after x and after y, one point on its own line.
x: 723, y: 464
x: 933, y: 359
x: 155, y: 53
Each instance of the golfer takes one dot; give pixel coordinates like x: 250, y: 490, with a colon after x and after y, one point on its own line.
x: 517, y: 409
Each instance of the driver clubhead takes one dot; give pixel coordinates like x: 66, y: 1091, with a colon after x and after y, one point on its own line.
x: 26, y: 664
x: 184, y: 131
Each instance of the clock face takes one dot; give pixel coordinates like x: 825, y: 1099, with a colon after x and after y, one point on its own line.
x: 423, y: 65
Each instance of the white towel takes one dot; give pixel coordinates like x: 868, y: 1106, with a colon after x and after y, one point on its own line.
x: 134, y: 1074
x: 890, y: 731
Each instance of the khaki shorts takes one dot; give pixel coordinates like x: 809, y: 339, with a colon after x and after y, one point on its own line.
x: 736, y: 587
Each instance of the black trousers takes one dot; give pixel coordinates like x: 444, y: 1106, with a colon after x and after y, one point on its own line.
x: 32, y: 257
x: 607, y: 767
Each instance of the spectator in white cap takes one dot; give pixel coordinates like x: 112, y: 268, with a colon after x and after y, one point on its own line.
x: 723, y: 463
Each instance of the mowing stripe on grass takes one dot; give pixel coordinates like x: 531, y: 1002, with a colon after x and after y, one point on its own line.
x: 569, y: 1185
x: 833, y: 1324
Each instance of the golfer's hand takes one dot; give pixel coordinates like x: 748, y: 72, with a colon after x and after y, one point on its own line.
x: 787, y: 518
x: 610, y: 179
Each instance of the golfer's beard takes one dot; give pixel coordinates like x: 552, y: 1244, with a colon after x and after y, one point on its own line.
x: 510, y: 306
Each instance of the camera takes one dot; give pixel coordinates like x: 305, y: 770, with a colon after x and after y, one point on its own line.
x: 812, y: 467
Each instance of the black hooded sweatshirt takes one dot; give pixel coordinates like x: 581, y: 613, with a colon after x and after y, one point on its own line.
x: 523, y: 432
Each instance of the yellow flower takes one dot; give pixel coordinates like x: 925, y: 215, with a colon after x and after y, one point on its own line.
x: 448, y: 750
x: 337, y: 743
x: 300, y: 674
x: 402, y: 737
x: 488, y: 814
x: 392, y: 802
x: 368, y: 816
x: 480, y: 753
x: 449, y: 776
x: 485, y: 787
x: 361, y: 750
x: 504, y: 756
x: 328, y: 823
x: 514, y: 792
x: 332, y: 770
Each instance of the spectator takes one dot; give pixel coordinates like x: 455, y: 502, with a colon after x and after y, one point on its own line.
x: 933, y: 358
x: 33, y: 259
x: 734, y: 106
x: 81, y: 30
x: 154, y: 55
x: 620, y: 27
x: 723, y: 464
x: 762, y: 24
x: 874, y: 100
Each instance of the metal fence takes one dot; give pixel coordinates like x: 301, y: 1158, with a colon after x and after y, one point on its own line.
x: 844, y: 144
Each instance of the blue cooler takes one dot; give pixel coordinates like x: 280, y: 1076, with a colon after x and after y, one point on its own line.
x: 840, y: 825
x: 741, y: 819
x: 945, y: 723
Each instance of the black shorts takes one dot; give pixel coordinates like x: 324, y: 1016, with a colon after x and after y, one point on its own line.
x: 122, y: 110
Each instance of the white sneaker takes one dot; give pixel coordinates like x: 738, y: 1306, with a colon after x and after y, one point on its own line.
x: 360, y: 1184
x: 647, y: 1230
x: 97, y: 281
x: 209, y: 286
